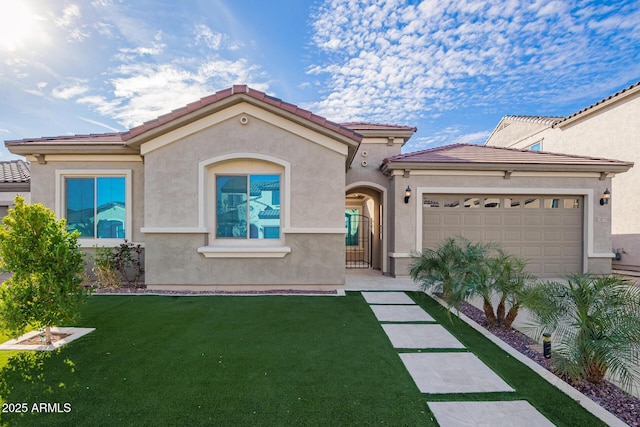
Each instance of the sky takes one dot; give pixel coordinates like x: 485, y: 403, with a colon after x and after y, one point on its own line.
x: 451, y: 68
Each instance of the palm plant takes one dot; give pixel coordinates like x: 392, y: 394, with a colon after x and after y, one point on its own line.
x: 450, y: 269
x: 459, y: 269
x: 596, y: 324
x: 503, y: 276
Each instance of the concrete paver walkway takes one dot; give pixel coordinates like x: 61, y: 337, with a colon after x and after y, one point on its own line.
x: 405, y: 323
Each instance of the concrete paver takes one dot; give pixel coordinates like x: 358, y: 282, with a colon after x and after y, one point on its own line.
x: 491, y: 414
x: 452, y: 373
x: 403, y: 335
x: 387, y: 298
x: 400, y: 313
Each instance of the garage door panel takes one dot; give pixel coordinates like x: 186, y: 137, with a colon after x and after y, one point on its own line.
x: 549, y: 236
x: 512, y: 220
x: 431, y: 219
x: 532, y: 219
x: 472, y: 219
x: 493, y: 220
x: 492, y: 236
x: 452, y: 219
x: 532, y: 235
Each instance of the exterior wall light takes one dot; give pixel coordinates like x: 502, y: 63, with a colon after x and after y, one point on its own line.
x: 407, y: 194
x: 605, y: 197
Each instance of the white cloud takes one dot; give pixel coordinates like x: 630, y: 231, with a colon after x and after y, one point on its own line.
x: 70, y: 20
x: 448, y: 135
x: 392, y: 60
x: 71, y: 89
x: 144, y: 91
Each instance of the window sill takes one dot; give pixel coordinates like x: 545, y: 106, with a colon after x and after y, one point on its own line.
x: 244, y: 252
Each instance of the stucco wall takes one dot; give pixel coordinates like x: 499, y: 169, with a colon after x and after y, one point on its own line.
x: 316, y: 262
x: 317, y: 173
x: 314, y: 175
x: 405, y: 220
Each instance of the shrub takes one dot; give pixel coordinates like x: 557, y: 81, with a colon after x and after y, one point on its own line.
x: 105, y: 270
x: 128, y: 260
x: 47, y: 265
x: 459, y: 269
x: 595, y: 322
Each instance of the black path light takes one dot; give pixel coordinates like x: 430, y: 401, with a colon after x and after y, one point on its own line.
x: 546, y: 345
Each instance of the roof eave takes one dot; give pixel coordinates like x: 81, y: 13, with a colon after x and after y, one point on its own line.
x: 594, y: 108
x: 24, y: 149
x: 388, y: 166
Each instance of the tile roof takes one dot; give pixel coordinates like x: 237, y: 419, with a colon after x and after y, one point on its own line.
x: 356, y: 126
x: 248, y: 94
x: 480, y: 154
x: 545, y: 120
x: 239, y: 91
x: 15, y: 171
x: 626, y: 91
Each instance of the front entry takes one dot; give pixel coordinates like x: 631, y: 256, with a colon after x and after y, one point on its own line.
x: 357, y: 239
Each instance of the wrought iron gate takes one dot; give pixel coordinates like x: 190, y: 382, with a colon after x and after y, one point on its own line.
x: 357, y: 240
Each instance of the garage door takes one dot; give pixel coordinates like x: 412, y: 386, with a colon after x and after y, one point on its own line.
x: 544, y: 230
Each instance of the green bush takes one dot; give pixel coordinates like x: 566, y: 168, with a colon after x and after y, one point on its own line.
x: 459, y: 269
x: 47, y: 266
x: 595, y: 325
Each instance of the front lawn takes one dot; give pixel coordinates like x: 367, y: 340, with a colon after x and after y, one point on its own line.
x: 258, y: 361
x: 223, y: 360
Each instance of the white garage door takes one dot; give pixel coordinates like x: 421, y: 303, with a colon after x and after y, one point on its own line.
x: 545, y: 230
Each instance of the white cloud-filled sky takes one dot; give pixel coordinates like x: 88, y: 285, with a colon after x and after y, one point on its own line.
x: 450, y: 68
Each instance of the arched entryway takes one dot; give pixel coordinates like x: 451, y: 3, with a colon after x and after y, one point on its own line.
x: 365, y: 224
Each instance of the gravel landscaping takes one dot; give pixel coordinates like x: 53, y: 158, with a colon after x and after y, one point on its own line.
x: 607, y: 395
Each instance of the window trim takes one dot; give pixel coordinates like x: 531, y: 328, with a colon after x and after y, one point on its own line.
x: 241, y: 248
x: 60, y: 197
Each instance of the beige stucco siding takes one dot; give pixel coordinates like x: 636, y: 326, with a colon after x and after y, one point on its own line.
x: 172, y: 173
x: 172, y: 262
x: 180, y: 194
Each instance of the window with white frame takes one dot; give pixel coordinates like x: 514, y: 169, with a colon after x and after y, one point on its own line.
x: 248, y: 206
x: 97, y: 205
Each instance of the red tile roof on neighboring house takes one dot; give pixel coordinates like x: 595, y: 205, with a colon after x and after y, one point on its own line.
x: 356, y: 126
x: 469, y: 154
x: 15, y: 171
x: 240, y: 91
x: 612, y: 98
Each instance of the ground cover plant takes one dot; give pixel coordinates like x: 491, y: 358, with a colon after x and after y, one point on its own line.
x: 223, y: 360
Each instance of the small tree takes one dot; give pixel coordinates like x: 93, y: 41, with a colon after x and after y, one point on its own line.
x: 46, y: 262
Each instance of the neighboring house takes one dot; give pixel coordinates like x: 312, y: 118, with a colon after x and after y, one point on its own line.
x: 15, y: 179
x: 608, y: 128
x: 243, y: 191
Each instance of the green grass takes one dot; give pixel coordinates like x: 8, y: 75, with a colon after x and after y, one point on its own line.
x: 559, y: 408
x: 162, y: 361
x: 263, y: 360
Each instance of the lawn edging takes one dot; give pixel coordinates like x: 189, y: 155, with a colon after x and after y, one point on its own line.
x: 588, y: 404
